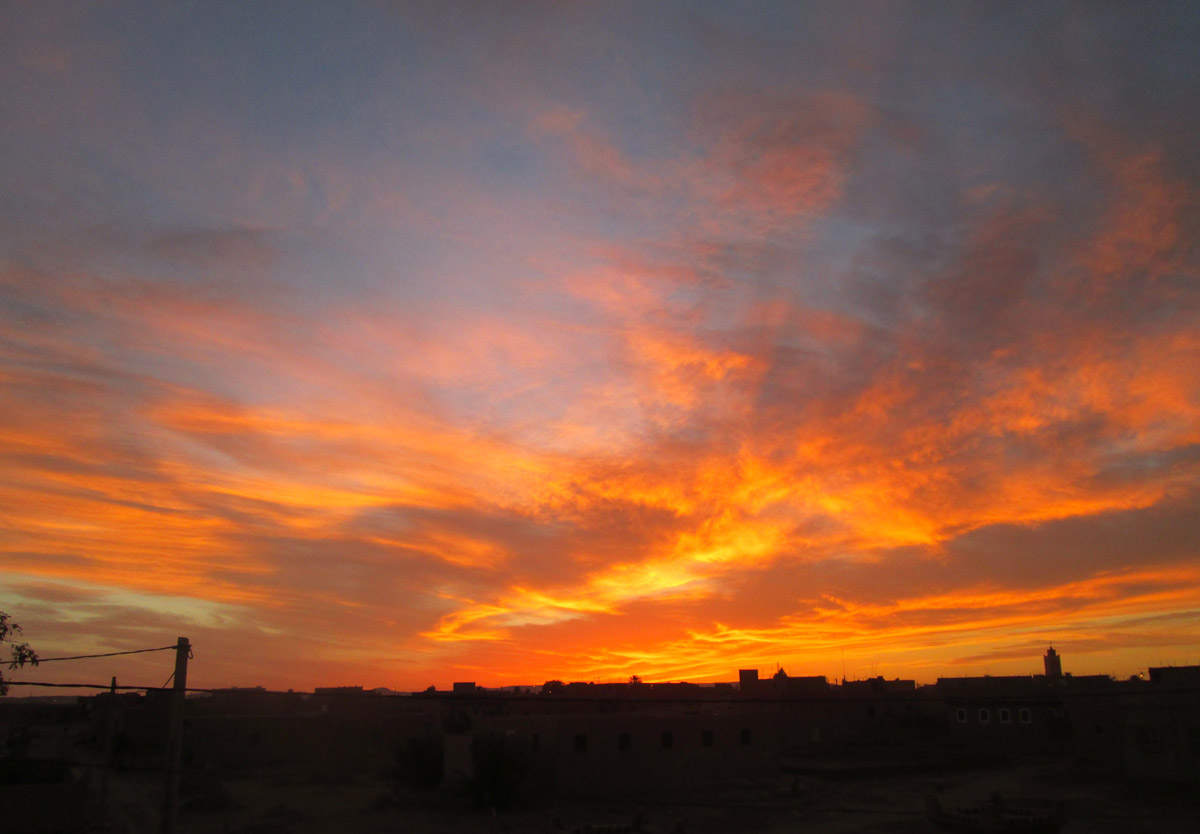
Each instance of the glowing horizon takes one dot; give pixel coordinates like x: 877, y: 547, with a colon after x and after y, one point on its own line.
x: 398, y: 345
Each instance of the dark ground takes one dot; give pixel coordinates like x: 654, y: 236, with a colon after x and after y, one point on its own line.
x: 281, y: 804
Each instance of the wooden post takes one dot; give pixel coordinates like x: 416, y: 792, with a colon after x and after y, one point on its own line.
x: 175, y: 737
x: 110, y: 729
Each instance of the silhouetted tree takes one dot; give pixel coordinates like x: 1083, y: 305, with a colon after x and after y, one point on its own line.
x: 553, y: 687
x: 635, y: 680
x: 21, y: 653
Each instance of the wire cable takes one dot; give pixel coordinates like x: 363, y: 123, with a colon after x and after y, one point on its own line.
x: 234, y: 691
x: 106, y: 654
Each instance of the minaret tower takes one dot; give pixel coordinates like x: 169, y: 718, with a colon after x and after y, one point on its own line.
x: 1053, y: 664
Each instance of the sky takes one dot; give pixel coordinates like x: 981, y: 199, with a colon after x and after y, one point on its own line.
x: 399, y: 344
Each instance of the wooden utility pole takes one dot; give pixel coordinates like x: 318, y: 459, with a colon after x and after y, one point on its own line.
x: 175, y: 737
x: 110, y: 728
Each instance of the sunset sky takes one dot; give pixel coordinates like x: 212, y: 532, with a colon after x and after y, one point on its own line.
x: 396, y: 344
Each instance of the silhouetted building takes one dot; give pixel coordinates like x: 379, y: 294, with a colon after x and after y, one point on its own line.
x: 630, y: 753
x: 1053, y: 664
x: 780, y: 685
x: 878, y: 684
x: 790, y: 687
x: 1161, y: 724
x: 614, y: 739
x: 748, y: 682
x: 1175, y: 675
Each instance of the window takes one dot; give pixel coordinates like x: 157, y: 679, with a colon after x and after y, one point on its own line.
x: 745, y: 738
x: 1025, y: 715
x: 580, y: 743
x: 706, y: 738
x: 668, y: 740
x: 984, y: 715
x: 960, y: 715
x: 1005, y: 716
x: 624, y: 742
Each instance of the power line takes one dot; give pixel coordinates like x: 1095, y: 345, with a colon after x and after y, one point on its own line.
x: 106, y: 654
x: 211, y: 691
x: 73, y: 685
x: 203, y: 690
